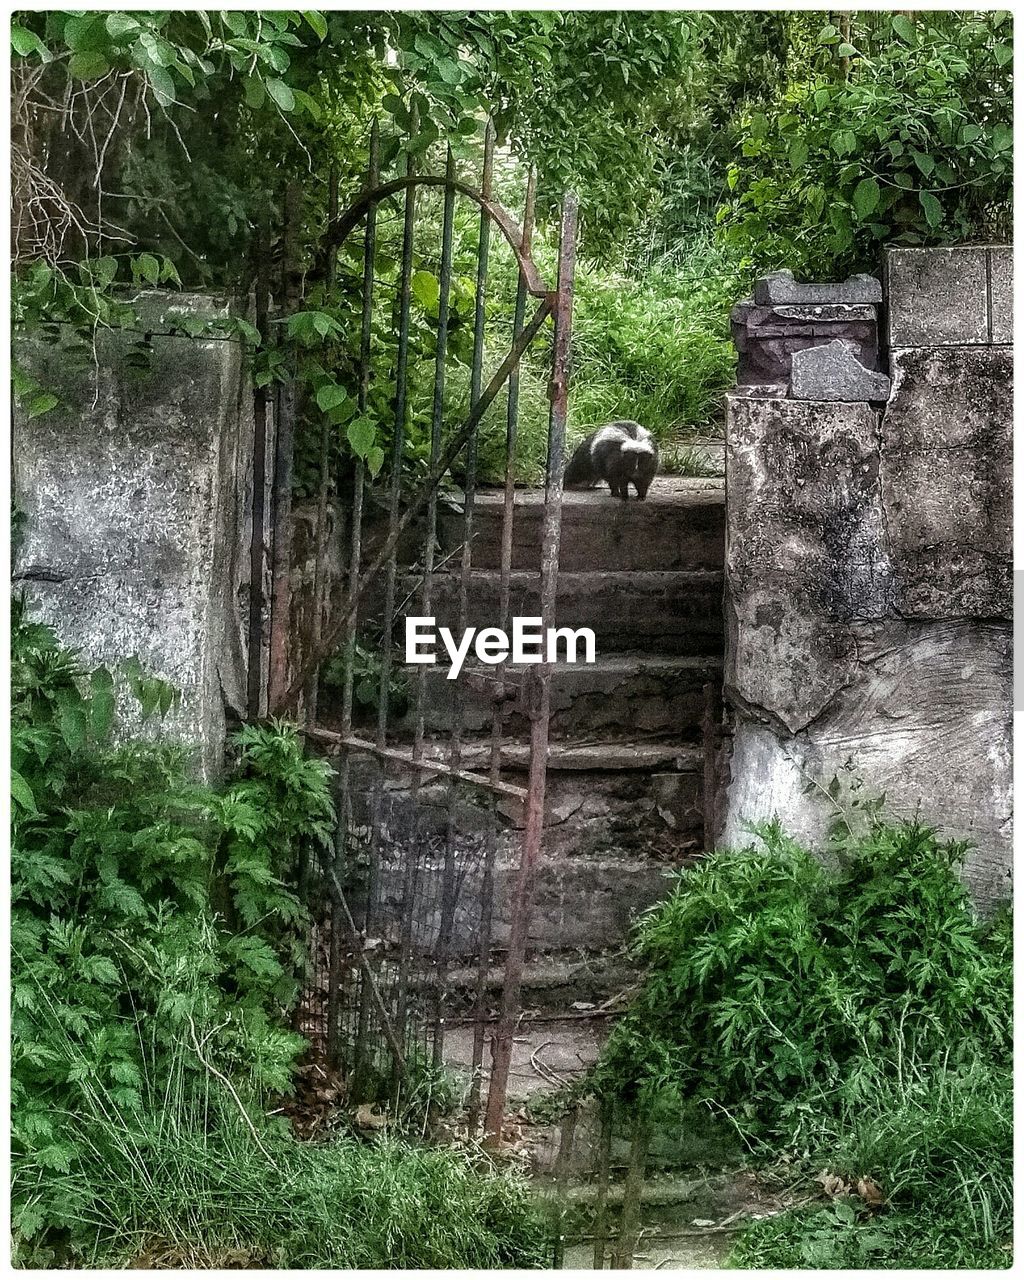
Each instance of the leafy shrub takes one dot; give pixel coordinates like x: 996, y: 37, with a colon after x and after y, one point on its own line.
x: 147, y: 910
x: 775, y: 987
x: 913, y: 145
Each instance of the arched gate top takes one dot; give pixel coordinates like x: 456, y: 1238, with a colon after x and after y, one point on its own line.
x: 342, y: 226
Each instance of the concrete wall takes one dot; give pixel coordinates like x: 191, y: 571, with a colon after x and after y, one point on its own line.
x: 137, y: 496
x: 868, y: 576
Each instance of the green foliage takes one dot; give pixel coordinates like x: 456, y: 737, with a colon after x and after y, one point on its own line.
x: 912, y: 145
x: 774, y: 986
x: 938, y: 1142
x: 148, y: 911
x: 184, y: 1183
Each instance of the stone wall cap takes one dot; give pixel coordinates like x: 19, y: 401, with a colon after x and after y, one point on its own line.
x: 780, y: 288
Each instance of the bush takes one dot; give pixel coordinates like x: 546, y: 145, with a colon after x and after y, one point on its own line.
x: 774, y: 988
x: 912, y: 146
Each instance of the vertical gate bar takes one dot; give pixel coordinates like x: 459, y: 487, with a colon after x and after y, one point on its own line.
x: 510, y: 1002
x: 349, y: 635
x: 604, y: 1160
x: 709, y: 747
x: 387, y: 642
x: 465, y: 572
x: 323, y: 485
x: 280, y: 593
x: 629, y: 1224
x: 427, y: 586
x: 497, y: 713
x: 258, y: 544
x: 563, y: 1167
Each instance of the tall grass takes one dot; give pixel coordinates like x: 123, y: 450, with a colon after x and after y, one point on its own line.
x: 194, y: 1174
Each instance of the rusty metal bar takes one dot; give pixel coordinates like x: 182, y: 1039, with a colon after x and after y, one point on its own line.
x: 349, y: 631
x: 604, y: 1160
x: 323, y: 486
x: 629, y: 1226
x: 443, y: 950
x: 563, y: 1167
x: 387, y: 639
x: 348, y: 220
x: 710, y: 745
x: 427, y: 586
x: 501, y: 1047
x: 415, y: 505
x: 258, y: 543
x: 504, y: 605
x: 284, y: 451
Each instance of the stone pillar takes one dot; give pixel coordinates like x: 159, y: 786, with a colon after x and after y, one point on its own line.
x: 868, y: 576
x: 137, y: 496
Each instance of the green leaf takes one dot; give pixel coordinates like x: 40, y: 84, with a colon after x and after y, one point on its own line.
x: 101, y: 703
x: 904, y: 28
x: 847, y: 51
x: 924, y: 162
x: 426, y: 289
x: 361, y: 434
x: 88, y: 65
x: 162, y: 83
x: 21, y: 792
x: 1002, y: 137
x: 932, y: 209
x: 310, y: 105
x: 121, y: 25
x: 375, y: 460
x: 24, y: 42
x: 41, y: 404
x: 255, y: 93
x: 1003, y: 53
x: 330, y: 396
x: 797, y: 153
x: 148, y: 267
x: 317, y: 21
x: 281, y: 94
x: 865, y: 198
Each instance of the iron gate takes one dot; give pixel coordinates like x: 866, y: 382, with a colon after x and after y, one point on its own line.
x: 408, y: 884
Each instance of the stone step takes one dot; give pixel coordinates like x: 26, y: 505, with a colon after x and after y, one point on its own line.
x: 628, y: 694
x: 663, y: 612
x: 577, y: 901
x: 680, y: 525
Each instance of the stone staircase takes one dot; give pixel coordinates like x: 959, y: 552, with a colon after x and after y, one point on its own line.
x: 624, y: 803
x: 625, y: 766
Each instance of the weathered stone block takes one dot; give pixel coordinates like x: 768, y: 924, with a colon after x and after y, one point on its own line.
x: 924, y: 718
x: 766, y: 338
x: 937, y: 297
x: 833, y: 372
x: 136, y: 492
x: 1000, y: 267
x: 781, y: 289
x: 805, y: 550
x: 946, y: 481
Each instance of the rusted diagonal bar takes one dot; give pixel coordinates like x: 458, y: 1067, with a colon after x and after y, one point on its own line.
x: 501, y: 1047
x: 352, y: 742
x: 337, y: 231
x: 457, y: 443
